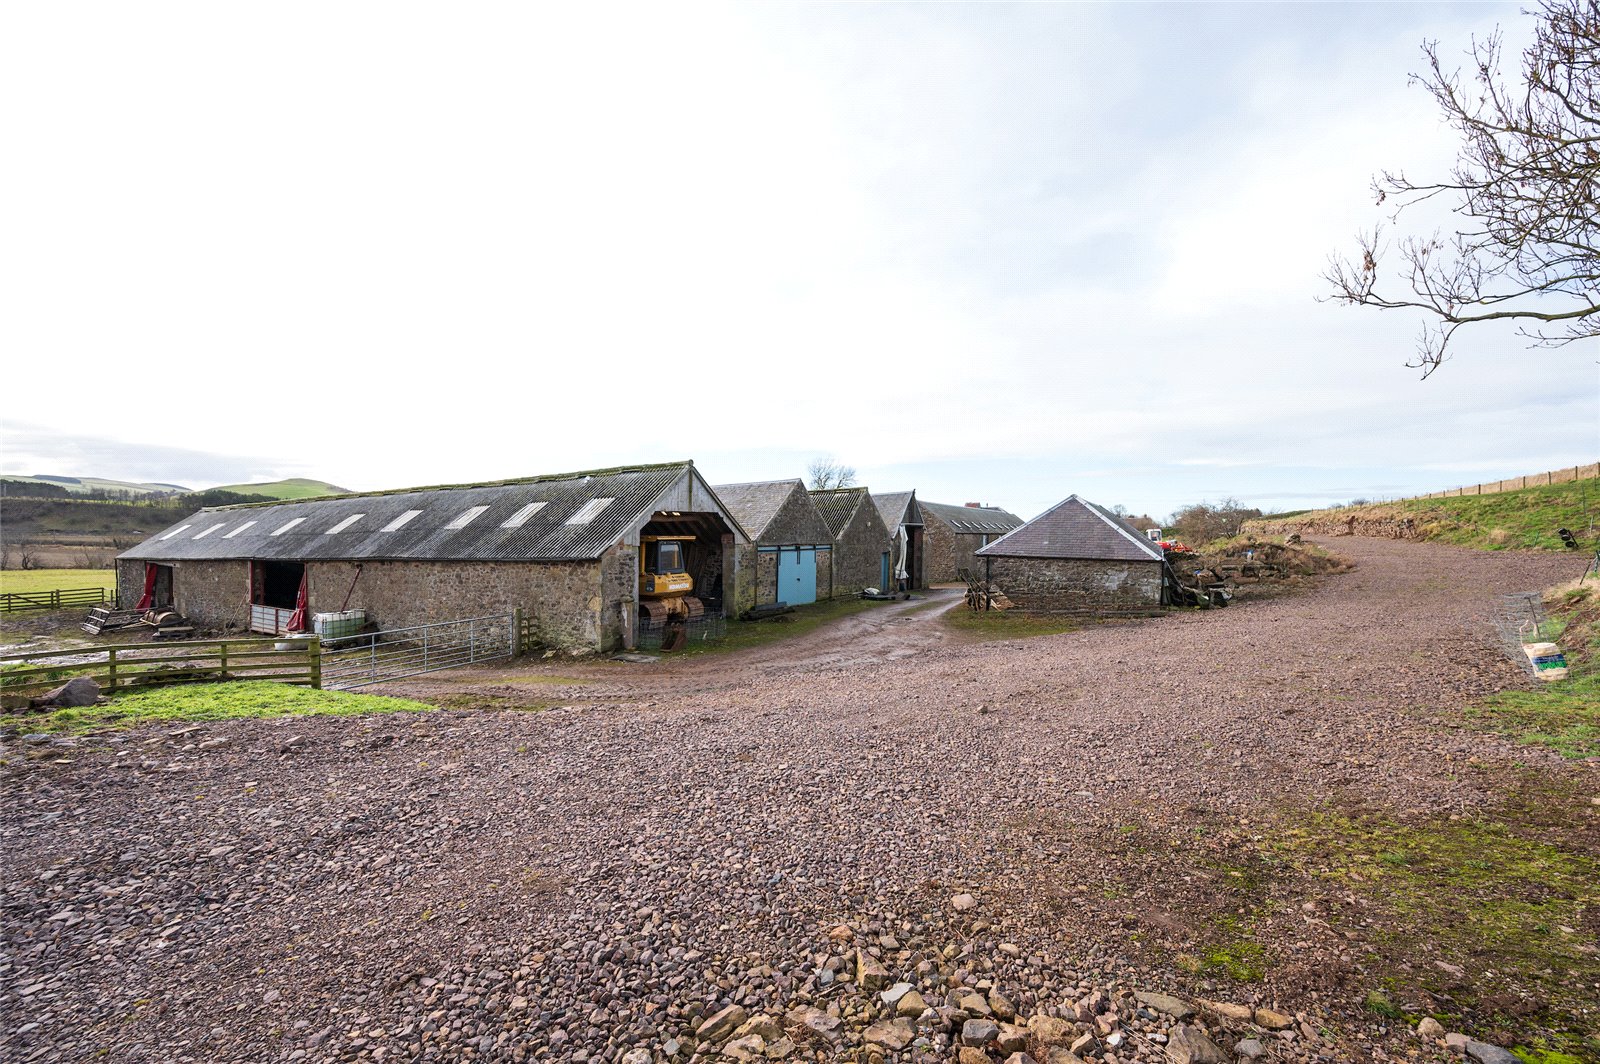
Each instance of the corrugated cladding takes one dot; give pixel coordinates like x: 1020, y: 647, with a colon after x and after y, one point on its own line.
x: 837, y: 506
x: 1075, y: 528
x: 987, y: 519
x: 545, y: 535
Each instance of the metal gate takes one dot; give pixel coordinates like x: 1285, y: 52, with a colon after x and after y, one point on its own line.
x: 377, y: 656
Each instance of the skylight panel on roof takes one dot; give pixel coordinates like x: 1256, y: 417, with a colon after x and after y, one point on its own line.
x: 590, y: 511
x: 342, y: 525
x: 177, y: 531
x: 520, y: 518
x: 287, y: 526
x: 235, y: 532
x: 466, y: 517
x: 213, y: 528
x: 401, y: 521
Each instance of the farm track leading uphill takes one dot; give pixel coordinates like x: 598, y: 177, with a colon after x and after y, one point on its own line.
x: 664, y: 840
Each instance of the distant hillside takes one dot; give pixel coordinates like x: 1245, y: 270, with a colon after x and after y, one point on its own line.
x: 1521, y: 519
x: 298, y: 488
x: 86, y: 485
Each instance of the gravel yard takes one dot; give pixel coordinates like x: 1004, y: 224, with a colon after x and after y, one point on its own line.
x: 602, y: 878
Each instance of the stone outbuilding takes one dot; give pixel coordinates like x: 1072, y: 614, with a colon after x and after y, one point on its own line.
x: 902, y: 516
x: 1077, y: 557
x: 563, y: 549
x: 861, y: 548
x: 955, y: 533
x: 793, y: 549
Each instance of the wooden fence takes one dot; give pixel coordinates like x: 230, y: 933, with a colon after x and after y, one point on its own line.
x: 57, y: 599
x: 1494, y: 487
x: 158, y: 664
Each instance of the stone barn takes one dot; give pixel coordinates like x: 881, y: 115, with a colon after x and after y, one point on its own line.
x: 861, y: 548
x: 955, y: 533
x: 1076, y: 557
x: 792, y: 545
x: 564, y: 549
x: 902, y: 517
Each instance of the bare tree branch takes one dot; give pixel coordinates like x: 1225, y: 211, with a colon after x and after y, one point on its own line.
x: 1523, y: 185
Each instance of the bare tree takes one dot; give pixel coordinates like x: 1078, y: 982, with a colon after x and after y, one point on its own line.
x: 826, y: 473
x: 1206, y: 521
x: 25, y: 555
x: 1523, y: 188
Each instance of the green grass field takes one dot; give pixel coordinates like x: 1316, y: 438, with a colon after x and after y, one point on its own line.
x: 29, y: 581
x: 296, y: 488
x: 191, y: 703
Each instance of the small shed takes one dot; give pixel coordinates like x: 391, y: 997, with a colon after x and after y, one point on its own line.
x: 1077, y: 557
x: 793, y: 548
x: 563, y: 549
x: 955, y: 533
x: 861, y: 548
x: 902, y: 517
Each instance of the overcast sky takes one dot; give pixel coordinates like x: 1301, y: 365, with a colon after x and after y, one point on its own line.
x: 992, y: 252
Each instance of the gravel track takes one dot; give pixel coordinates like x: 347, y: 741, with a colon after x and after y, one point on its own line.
x: 594, y: 880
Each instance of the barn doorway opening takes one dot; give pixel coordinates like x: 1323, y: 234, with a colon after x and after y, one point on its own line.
x: 275, y: 589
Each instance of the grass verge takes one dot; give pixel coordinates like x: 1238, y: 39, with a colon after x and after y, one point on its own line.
x: 1564, y: 715
x: 194, y: 703
x: 745, y: 635
x: 987, y: 625
x: 33, y: 581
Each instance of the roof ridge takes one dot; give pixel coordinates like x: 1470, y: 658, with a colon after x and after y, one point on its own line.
x: 511, y: 482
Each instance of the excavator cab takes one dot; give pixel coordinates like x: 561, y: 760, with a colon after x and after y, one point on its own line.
x: 666, y: 590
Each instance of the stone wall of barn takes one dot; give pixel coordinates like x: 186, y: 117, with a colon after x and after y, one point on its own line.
x: 1064, y: 585
x: 949, y: 551
x: 858, y: 552
x: 570, y: 604
x: 214, y: 593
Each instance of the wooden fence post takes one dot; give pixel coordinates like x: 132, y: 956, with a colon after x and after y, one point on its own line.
x: 222, y: 659
x: 314, y: 659
x: 516, y: 631
x: 111, y: 669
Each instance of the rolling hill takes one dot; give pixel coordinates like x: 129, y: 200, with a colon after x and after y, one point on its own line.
x: 296, y: 488
x: 85, y: 485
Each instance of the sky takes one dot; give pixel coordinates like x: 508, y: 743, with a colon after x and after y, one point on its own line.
x: 994, y: 252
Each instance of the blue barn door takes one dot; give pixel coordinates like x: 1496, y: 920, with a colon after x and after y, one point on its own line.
x: 797, y: 575
x: 883, y: 584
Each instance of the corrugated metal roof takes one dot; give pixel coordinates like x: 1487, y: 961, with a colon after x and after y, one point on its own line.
x: 756, y: 503
x: 837, y: 506
x: 898, y: 508
x: 1075, y: 528
x: 301, y: 530
x: 985, y: 519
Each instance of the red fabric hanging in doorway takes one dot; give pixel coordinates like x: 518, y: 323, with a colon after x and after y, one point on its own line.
x: 297, y: 619
x: 150, y: 571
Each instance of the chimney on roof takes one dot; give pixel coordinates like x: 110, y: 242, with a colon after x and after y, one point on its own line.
x: 975, y: 505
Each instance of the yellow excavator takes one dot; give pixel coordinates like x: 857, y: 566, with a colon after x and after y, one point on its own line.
x: 666, y: 590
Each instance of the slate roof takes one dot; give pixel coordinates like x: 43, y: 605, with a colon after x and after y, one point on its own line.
x: 898, y: 508
x: 837, y: 506
x: 756, y: 503
x: 1075, y: 528
x: 301, y: 529
x: 985, y: 519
